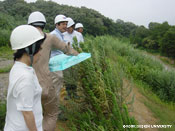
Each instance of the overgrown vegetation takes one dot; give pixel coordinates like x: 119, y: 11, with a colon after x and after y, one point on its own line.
x: 100, y: 107
x: 142, y: 67
x: 16, y: 12
x: 99, y: 75
x: 6, y: 52
x: 158, y: 37
x: 5, y: 69
x: 165, y: 112
x: 2, y: 115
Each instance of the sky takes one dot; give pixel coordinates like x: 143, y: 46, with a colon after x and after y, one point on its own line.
x: 140, y: 12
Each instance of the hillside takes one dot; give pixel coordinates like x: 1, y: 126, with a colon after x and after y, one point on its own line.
x: 113, y: 78
x: 120, y: 84
x: 16, y: 12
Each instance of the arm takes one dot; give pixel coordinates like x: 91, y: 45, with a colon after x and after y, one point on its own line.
x: 24, y: 94
x: 66, y: 48
x: 30, y: 120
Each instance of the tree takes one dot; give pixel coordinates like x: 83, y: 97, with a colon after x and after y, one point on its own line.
x: 168, y: 43
x: 138, y: 35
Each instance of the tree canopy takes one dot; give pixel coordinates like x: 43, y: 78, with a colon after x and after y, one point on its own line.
x: 16, y: 12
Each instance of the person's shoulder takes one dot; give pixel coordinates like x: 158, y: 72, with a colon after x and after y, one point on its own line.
x: 22, y: 72
x: 78, y: 33
x: 65, y: 33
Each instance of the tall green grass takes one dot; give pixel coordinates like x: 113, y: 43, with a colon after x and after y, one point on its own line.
x: 6, y: 52
x: 141, y: 67
x: 6, y: 69
x: 163, y: 111
x: 99, y: 82
x: 2, y: 114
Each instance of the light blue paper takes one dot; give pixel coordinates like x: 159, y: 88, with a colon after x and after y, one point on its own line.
x: 62, y: 61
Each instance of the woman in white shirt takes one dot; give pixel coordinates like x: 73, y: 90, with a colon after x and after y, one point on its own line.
x: 24, y: 110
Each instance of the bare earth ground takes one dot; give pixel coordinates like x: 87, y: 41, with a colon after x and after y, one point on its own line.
x: 4, y: 78
x: 139, y: 111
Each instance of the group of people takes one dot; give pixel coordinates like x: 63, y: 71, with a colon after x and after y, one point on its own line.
x: 33, y: 91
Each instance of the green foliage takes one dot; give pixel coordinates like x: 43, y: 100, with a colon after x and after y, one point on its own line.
x: 157, y: 106
x: 138, y: 35
x: 16, y: 12
x: 168, y: 43
x: 4, y: 37
x: 159, y: 37
x: 5, y: 69
x: 144, y: 68
x: 6, y: 52
x: 99, y: 82
x: 2, y: 115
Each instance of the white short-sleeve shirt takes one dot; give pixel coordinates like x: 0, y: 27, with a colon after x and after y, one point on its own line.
x: 24, y: 94
x: 69, y: 37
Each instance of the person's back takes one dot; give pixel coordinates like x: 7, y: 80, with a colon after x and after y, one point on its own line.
x: 42, y: 68
x: 51, y: 82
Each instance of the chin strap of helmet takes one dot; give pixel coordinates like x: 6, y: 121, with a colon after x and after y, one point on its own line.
x: 31, y: 53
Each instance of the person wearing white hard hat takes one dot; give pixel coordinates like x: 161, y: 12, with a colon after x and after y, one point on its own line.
x: 24, y: 110
x: 79, y: 27
x: 49, y: 81
x: 71, y: 33
x: 60, y: 27
x: 70, y: 74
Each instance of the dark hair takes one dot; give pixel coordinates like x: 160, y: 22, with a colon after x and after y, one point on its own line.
x: 19, y: 53
x: 73, y: 26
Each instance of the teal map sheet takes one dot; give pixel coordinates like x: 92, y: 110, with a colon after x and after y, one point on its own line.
x: 62, y: 61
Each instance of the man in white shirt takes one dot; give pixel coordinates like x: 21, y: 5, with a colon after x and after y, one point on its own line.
x: 70, y: 34
x: 70, y: 74
x: 79, y: 28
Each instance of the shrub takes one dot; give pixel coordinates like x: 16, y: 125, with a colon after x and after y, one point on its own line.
x: 99, y: 82
x: 2, y: 115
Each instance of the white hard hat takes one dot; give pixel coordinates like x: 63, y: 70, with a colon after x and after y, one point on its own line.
x: 36, y: 17
x: 78, y: 25
x: 24, y: 36
x: 70, y: 22
x: 60, y: 18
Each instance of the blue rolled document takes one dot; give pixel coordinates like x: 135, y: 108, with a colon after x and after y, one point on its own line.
x: 62, y: 61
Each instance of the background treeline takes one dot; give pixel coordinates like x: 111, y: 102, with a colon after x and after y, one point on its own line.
x: 158, y: 37
x: 16, y: 12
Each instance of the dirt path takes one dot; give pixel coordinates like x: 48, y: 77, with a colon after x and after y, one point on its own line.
x: 138, y: 109
x: 157, y: 58
x: 4, y: 78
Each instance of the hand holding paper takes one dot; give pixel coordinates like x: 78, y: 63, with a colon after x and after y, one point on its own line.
x: 62, y: 62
